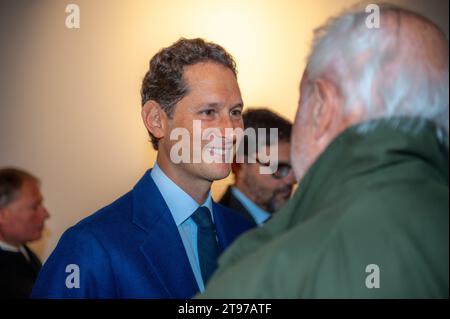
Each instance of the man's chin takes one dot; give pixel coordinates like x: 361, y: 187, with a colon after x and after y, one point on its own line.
x: 219, y: 171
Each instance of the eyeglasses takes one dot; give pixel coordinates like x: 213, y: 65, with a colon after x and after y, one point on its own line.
x: 282, y: 171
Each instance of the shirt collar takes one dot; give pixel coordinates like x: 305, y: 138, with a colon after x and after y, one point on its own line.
x: 180, y: 204
x: 258, y: 214
x: 8, y: 247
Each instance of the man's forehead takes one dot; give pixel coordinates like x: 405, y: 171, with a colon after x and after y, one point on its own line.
x: 30, y: 187
x: 202, y: 66
x: 214, y: 92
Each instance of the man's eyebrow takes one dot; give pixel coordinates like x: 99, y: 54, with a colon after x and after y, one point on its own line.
x: 241, y: 105
x: 213, y: 105
x: 219, y: 105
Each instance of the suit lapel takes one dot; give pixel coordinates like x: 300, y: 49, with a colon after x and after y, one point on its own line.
x: 163, y: 248
x: 225, y: 230
x: 230, y: 201
x: 34, y: 262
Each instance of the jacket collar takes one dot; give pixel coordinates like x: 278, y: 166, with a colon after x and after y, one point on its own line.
x: 180, y: 204
x: 163, y: 247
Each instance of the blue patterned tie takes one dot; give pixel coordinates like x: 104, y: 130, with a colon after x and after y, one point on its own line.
x: 208, y: 249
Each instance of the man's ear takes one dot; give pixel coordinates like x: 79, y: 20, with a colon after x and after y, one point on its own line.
x: 154, y: 118
x: 327, y: 99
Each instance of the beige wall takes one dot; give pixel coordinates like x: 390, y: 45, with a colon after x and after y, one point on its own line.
x: 69, y: 99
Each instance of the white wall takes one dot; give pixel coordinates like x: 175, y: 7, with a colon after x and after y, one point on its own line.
x: 69, y: 99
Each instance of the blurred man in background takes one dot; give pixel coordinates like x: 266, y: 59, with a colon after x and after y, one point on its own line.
x: 257, y: 196
x: 22, y: 217
x: 370, y: 146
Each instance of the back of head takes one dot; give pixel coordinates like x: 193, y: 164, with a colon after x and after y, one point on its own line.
x: 398, y: 69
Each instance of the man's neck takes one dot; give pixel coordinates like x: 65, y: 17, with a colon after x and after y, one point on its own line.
x: 198, y: 189
x: 9, y: 244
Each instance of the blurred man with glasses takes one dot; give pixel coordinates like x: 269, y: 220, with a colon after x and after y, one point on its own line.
x: 257, y: 196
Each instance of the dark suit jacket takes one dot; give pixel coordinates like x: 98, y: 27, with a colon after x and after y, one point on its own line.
x: 129, y: 249
x: 230, y: 201
x: 17, y: 274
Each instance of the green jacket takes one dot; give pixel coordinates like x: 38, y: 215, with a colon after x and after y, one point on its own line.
x: 380, y: 197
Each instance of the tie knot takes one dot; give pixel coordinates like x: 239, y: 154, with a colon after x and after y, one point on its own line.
x: 202, y: 217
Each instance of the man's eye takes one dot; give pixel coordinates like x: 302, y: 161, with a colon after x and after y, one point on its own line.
x: 237, y: 113
x: 207, y: 112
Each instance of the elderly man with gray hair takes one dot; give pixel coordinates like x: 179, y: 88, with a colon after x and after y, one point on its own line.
x: 370, y: 149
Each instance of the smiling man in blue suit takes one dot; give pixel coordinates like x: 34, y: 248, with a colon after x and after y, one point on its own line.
x: 163, y: 238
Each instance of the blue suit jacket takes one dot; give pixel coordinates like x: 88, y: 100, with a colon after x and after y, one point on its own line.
x: 129, y: 249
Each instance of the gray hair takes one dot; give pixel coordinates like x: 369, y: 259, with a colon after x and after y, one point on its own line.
x: 11, y: 180
x: 359, y: 60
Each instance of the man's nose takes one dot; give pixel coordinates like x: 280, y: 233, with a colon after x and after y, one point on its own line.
x: 44, y: 213
x: 226, y: 122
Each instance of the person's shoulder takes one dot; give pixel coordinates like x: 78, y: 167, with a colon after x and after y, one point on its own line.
x: 392, y: 216
x: 114, y: 213
x: 87, y: 243
x: 399, y: 203
x: 99, y: 226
